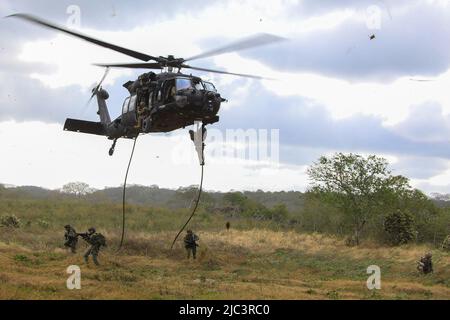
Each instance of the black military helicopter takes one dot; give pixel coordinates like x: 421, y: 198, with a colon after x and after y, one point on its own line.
x: 158, y: 102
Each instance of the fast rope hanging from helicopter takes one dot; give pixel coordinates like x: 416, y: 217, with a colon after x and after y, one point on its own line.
x: 124, y: 194
x: 198, y: 138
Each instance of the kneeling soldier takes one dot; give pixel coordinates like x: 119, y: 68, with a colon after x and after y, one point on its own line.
x: 425, y: 264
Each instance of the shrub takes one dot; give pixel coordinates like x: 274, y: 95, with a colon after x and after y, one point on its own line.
x: 21, y: 258
x: 43, y: 223
x: 10, y: 221
x: 399, y: 227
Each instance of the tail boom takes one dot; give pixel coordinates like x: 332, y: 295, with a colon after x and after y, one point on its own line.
x: 82, y: 126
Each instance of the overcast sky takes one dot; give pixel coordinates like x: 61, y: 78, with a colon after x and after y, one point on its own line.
x: 335, y: 89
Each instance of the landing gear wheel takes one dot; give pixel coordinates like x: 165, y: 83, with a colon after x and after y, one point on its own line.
x: 204, y: 132
x: 147, y: 125
x: 113, y: 147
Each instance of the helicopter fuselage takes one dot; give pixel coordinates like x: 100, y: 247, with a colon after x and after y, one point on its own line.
x: 157, y: 103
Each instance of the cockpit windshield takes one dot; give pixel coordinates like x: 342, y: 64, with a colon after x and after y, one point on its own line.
x: 198, y: 85
x: 186, y: 83
x: 209, y: 86
x: 183, y: 83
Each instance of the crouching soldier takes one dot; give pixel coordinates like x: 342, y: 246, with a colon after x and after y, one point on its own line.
x: 446, y: 244
x: 425, y: 264
x: 71, y: 238
x: 190, y: 243
x: 96, y: 241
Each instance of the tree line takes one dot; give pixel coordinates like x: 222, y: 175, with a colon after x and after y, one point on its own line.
x: 354, y: 196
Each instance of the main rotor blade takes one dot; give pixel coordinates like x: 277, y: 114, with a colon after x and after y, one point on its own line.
x: 422, y: 80
x: 42, y: 22
x: 131, y: 65
x: 247, y: 43
x: 225, y: 72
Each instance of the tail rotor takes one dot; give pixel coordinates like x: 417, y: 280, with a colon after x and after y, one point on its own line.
x: 99, y: 86
x: 96, y: 90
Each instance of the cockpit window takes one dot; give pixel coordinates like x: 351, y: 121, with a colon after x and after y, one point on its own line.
x: 132, y: 105
x: 125, y: 105
x: 198, y: 85
x: 209, y: 86
x: 183, y: 83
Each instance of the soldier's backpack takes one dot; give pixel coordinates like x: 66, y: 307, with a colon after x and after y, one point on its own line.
x: 99, y: 239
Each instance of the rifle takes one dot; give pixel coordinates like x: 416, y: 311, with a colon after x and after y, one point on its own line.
x: 83, y: 235
x: 191, y: 241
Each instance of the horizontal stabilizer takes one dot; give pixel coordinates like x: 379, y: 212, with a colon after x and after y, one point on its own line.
x: 85, y: 127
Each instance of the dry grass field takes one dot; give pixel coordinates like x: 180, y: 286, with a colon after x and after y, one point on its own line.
x: 235, y: 264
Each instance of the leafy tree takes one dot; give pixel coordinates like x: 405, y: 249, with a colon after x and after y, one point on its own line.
x: 188, y: 196
x: 255, y: 210
x: 429, y: 220
x: 77, y: 189
x: 399, y: 226
x: 324, y: 217
x: 235, y: 198
x: 360, y: 187
x: 279, y: 212
x: 247, y: 207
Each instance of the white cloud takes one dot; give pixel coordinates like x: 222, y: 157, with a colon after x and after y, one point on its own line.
x: 180, y: 36
x: 390, y: 101
x: 45, y: 155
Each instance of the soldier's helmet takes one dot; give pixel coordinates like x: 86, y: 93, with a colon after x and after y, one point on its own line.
x: 189, y: 231
x: 91, y: 230
x: 428, y: 255
x: 67, y: 226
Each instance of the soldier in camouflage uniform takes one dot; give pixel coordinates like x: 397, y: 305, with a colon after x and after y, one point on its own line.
x: 425, y: 264
x: 446, y: 244
x: 190, y: 243
x: 96, y: 241
x: 71, y: 238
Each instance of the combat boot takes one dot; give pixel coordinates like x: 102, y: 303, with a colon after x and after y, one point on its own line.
x: 94, y: 257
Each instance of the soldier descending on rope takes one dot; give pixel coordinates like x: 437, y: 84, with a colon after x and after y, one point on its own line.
x: 71, y: 238
x: 190, y: 243
x: 425, y: 264
x: 96, y: 241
